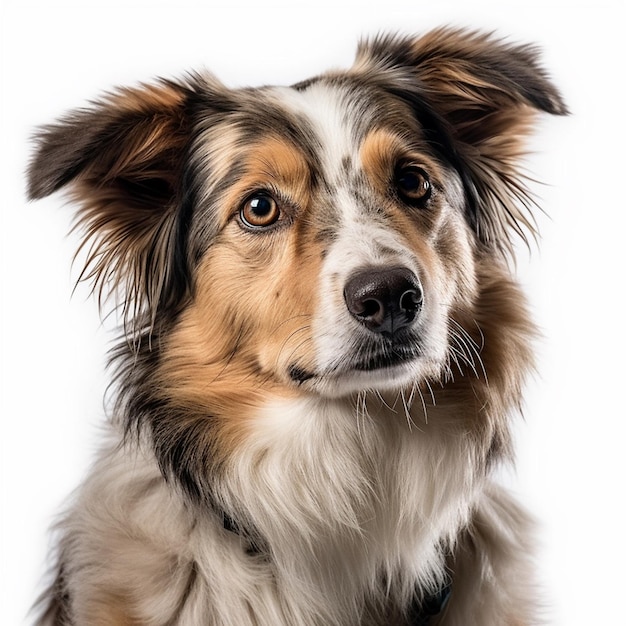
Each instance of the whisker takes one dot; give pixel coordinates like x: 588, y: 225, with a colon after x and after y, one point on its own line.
x: 230, y: 358
x: 430, y: 389
x: 361, y: 413
x: 471, y: 345
x: 384, y: 402
x: 287, y: 339
x: 423, y: 405
x: 454, y: 354
x: 286, y: 321
x: 296, y: 348
x: 412, y: 394
x: 461, y: 353
x: 407, y: 410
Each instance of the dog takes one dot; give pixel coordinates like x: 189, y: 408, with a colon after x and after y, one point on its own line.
x: 323, y: 342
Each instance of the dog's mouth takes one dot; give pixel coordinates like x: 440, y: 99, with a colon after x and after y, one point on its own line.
x: 373, y: 361
x: 383, y: 357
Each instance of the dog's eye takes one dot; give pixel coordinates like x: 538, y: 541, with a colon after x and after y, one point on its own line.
x: 259, y: 211
x: 412, y: 184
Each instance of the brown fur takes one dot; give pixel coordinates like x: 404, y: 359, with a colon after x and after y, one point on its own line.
x: 488, y: 94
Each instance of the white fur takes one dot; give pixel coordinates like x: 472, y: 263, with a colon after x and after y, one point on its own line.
x: 362, y: 241
x: 370, y: 245
x: 368, y: 494
x: 326, y: 109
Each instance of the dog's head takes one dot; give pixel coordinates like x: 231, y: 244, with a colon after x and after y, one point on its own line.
x: 321, y: 237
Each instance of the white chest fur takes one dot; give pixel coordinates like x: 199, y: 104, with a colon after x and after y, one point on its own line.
x: 346, y: 497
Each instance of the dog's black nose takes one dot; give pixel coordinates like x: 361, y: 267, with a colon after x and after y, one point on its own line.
x: 384, y: 300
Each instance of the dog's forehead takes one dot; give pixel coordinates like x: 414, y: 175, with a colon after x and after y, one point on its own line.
x: 330, y: 112
x: 336, y: 117
x: 325, y: 121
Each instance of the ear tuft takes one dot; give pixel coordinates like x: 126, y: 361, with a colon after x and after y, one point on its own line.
x: 467, y: 65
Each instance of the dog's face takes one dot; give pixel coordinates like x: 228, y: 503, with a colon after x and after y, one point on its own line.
x: 323, y: 237
x: 339, y: 242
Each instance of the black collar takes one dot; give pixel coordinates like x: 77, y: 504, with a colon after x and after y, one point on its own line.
x: 253, y: 544
x: 431, y: 606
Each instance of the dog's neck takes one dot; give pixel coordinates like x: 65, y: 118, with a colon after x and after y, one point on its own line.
x: 421, y: 613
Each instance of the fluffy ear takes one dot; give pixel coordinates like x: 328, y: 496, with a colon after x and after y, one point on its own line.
x: 122, y: 160
x: 482, y: 93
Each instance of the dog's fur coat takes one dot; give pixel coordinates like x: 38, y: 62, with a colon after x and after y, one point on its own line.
x: 281, y: 452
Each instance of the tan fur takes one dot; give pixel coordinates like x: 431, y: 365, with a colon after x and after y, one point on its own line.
x: 381, y: 150
x: 241, y: 281
x: 278, y: 163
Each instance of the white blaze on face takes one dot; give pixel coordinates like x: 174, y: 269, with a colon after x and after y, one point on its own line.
x: 328, y: 112
x: 362, y: 239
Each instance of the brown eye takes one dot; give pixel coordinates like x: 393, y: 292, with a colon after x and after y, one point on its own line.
x: 412, y: 184
x: 259, y: 211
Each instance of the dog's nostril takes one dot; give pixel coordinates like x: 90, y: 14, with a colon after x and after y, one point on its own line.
x: 371, y: 308
x: 384, y: 300
x: 411, y: 299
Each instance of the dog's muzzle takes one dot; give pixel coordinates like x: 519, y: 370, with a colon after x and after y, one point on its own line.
x: 384, y: 300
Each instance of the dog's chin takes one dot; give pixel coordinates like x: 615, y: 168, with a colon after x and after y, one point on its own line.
x: 374, y: 374
x: 367, y: 362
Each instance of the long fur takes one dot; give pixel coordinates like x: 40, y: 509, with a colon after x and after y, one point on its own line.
x: 271, y: 459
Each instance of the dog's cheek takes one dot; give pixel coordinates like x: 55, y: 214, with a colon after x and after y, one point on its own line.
x: 288, y: 303
x: 455, y: 253
x: 446, y: 258
x: 255, y: 298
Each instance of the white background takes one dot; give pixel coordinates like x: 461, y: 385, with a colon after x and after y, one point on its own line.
x: 571, y: 469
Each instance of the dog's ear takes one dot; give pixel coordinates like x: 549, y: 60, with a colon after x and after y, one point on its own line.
x: 481, y: 95
x: 122, y: 160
